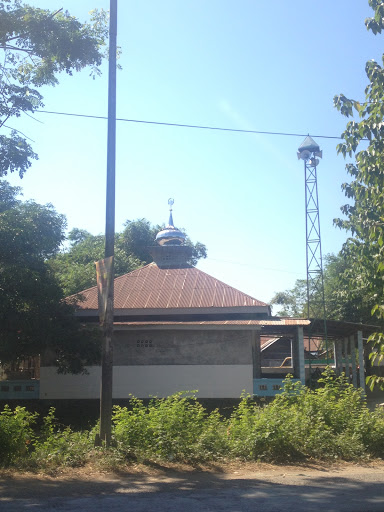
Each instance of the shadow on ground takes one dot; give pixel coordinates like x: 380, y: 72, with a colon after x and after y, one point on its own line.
x: 168, y: 490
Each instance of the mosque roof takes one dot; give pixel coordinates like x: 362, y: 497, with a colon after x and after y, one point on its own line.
x: 154, y: 288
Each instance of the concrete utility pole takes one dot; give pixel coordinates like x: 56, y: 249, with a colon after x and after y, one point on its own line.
x: 107, y: 347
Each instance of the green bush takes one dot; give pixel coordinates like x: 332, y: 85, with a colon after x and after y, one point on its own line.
x: 264, y: 433
x: 332, y: 421
x: 16, y: 434
x: 56, y: 446
x: 172, y: 428
x: 131, y: 429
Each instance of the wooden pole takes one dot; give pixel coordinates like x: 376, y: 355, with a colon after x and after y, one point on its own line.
x: 107, y: 346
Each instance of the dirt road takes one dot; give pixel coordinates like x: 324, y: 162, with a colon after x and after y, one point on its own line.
x: 235, y: 487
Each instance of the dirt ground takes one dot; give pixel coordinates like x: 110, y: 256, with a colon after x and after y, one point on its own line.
x: 235, y: 486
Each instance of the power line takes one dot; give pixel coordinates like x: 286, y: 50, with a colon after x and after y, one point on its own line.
x: 199, y: 127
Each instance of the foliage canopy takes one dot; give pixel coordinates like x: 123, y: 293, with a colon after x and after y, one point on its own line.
x: 36, y: 45
x: 354, y: 279
x: 33, y: 315
x: 75, y: 267
x: 35, y: 277
x: 341, y: 303
x: 364, y: 213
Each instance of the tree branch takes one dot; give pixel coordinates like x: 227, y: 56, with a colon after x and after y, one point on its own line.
x: 14, y: 48
x: 18, y: 131
x: 57, y: 12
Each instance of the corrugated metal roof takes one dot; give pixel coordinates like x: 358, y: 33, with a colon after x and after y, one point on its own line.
x: 266, y: 342
x: 151, y: 287
x: 274, y: 322
x: 315, y: 342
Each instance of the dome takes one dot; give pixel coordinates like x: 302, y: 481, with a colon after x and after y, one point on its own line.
x: 170, y: 235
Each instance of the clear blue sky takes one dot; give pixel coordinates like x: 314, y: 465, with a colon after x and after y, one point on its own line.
x: 248, y: 64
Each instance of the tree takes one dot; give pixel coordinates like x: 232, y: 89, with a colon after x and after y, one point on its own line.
x: 138, y: 236
x: 33, y: 315
x: 341, y: 301
x: 37, y: 45
x: 75, y: 267
x: 364, y: 218
x: 293, y: 301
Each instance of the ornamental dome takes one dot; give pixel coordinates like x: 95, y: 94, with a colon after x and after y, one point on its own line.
x: 170, y: 235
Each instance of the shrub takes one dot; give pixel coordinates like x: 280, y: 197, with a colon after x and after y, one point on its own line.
x: 58, y: 446
x: 16, y: 433
x: 131, y: 429
x: 172, y: 428
x: 330, y: 422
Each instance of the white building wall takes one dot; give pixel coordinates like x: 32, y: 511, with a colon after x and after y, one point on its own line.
x: 54, y: 385
x: 211, y: 381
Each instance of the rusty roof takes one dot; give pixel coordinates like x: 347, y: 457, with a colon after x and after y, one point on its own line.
x: 151, y: 287
x: 314, y: 344
x: 275, y: 322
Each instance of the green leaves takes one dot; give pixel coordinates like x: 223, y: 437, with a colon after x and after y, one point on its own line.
x: 344, y: 105
x: 33, y: 315
x: 37, y: 45
x: 364, y: 251
x: 294, y: 301
x: 15, y: 433
x: 15, y: 154
x: 75, y: 267
x: 173, y: 428
x: 342, y: 302
x: 330, y: 422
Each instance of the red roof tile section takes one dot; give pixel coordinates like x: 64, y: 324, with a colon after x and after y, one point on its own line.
x: 151, y: 287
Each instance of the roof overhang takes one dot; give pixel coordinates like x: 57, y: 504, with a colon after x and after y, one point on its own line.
x: 179, y: 311
x: 231, y: 325
x: 338, y: 329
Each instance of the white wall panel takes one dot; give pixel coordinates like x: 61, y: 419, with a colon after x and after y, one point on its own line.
x: 54, y: 385
x: 211, y: 381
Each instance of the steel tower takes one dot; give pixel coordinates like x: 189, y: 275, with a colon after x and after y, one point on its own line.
x: 309, y: 152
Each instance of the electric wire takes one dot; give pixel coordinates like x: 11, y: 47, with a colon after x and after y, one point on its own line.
x: 199, y: 127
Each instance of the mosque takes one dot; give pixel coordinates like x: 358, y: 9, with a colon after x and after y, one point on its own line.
x: 177, y: 328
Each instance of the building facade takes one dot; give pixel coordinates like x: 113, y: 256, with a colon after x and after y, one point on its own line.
x: 177, y: 328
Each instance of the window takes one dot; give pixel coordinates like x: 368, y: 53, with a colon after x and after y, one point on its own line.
x: 29, y: 388
x: 276, y: 387
x: 4, y: 388
x: 16, y: 388
x: 263, y: 387
x: 146, y: 343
